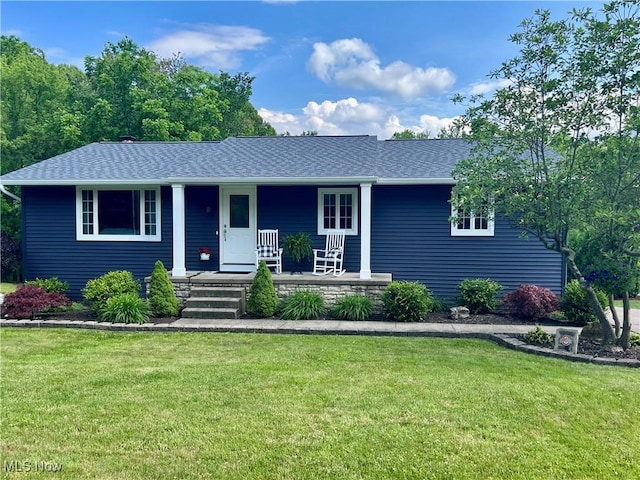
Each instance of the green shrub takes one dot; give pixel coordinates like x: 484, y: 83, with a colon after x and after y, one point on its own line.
x: 439, y: 306
x: 353, y: 307
x: 406, y: 301
x: 125, y: 308
x: 162, y: 299
x: 303, y: 305
x: 263, y: 299
x: 479, y: 295
x: 634, y: 339
x: 538, y: 336
x: 99, y: 290
x: 50, y: 285
x: 575, y: 305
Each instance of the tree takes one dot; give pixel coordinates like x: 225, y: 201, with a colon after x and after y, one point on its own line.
x: 457, y: 129
x: 37, y: 119
x: 548, y: 147
x: 408, y: 134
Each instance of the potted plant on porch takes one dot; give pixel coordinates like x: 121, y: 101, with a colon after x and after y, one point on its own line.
x: 298, y: 247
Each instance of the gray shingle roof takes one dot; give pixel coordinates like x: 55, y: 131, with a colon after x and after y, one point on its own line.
x: 275, y: 159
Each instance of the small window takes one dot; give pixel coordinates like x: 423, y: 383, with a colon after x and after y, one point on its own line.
x: 117, y: 214
x: 478, y: 223
x: 338, y: 209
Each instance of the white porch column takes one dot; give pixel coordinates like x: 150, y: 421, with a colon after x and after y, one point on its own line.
x: 365, y: 231
x: 179, y: 227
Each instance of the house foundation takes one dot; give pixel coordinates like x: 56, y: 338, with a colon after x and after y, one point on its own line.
x: 332, y: 288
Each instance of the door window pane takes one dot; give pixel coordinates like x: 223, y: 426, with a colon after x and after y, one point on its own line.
x: 239, y: 211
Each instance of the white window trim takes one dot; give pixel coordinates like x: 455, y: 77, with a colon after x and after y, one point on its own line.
x: 96, y: 237
x: 337, y: 191
x: 471, y: 232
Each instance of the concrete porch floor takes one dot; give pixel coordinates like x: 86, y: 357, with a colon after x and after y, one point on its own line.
x: 348, y: 278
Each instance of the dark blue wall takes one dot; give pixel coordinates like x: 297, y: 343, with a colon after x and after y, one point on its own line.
x: 201, y: 225
x: 294, y: 209
x: 411, y: 238
x: 51, y: 248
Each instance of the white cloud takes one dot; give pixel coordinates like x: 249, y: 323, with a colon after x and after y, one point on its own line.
x: 433, y: 124
x: 352, y: 63
x: 480, y: 88
x: 216, y: 46
x: 349, y: 117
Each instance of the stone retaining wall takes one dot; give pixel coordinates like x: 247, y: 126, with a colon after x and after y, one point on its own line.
x: 332, y: 288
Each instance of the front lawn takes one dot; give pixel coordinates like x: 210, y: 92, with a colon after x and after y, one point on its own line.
x: 633, y: 303
x: 7, y: 287
x: 253, y: 406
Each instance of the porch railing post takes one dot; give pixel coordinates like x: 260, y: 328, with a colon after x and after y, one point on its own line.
x: 179, y: 269
x: 365, y: 231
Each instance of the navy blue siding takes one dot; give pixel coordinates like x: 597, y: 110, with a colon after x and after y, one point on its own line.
x: 294, y: 209
x: 201, y: 225
x: 411, y: 239
x: 51, y: 249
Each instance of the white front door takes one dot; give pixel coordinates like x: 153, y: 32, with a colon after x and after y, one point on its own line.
x: 237, y: 228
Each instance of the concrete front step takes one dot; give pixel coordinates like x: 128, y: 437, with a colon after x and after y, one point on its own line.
x: 210, y: 313
x: 228, y: 292
x: 213, y: 302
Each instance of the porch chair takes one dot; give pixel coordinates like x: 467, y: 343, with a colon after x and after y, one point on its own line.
x: 329, y: 260
x: 268, y: 249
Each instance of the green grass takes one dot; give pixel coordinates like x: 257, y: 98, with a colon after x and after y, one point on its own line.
x: 6, y: 287
x: 632, y: 303
x: 248, y: 406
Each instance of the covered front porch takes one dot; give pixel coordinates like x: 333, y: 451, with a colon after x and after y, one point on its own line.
x: 226, y: 217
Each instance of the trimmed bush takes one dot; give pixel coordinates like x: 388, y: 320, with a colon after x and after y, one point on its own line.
x: 99, y: 290
x: 479, y: 295
x: 404, y: 301
x: 29, y: 299
x: 303, y: 305
x: 538, y: 336
x: 634, y: 339
x: 50, y: 285
x: 263, y: 300
x: 353, y: 307
x: 575, y: 305
x: 531, y: 302
x: 125, y: 308
x: 162, y: 299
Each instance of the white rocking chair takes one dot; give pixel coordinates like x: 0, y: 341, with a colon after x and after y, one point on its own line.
x: 329, y: 260
x: 268, y: 249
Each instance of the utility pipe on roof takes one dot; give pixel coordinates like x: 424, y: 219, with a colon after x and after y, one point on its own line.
x: 9, y: 194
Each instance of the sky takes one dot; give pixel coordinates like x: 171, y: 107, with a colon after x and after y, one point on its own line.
x: 338, y: 68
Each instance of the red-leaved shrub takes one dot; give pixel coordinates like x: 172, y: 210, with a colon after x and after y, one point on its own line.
x: 27, y: 300
x: 531, y: 302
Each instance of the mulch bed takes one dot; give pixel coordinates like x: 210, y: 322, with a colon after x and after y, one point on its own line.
x: 588, y: 344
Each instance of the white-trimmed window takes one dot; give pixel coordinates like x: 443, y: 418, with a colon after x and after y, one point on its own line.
x: 338, y: 209
x: 472, y: 223
x: 118, y: 214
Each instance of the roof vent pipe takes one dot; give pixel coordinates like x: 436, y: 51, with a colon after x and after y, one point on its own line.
x: 127, y: 139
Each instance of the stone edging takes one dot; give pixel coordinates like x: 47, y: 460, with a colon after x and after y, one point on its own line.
x: 501, y: 339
